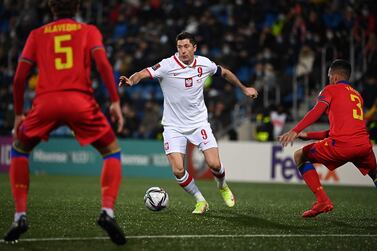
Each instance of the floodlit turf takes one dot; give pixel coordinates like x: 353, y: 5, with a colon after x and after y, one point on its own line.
x: 266, y: 217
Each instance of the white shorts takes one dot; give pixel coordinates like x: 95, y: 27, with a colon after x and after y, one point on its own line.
x: 175, y: 140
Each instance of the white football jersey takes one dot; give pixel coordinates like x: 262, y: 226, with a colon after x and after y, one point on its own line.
x: 182, y: 86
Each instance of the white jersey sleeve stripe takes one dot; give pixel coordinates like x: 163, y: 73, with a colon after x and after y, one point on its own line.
x: 150, y: 74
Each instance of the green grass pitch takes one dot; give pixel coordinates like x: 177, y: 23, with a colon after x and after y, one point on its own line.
x: 266, y: 217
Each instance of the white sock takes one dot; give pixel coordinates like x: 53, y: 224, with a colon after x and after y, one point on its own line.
x: 18, y: 215
x: 188, y: 184
x: 219, y: 176
x: 109, y: 211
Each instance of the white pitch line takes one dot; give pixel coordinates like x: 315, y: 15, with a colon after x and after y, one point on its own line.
x: 198, y: 236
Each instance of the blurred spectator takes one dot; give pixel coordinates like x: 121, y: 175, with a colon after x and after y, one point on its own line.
x: 369, y: 91
x: 278, y: 117
x: 305, y: 61
x: 264, y: 128
x: 263, y: 41
x: 222, y: 119
x: 132, y: 122
x: 370, y: 51
x: 371, y: 118
x: 150, y: 125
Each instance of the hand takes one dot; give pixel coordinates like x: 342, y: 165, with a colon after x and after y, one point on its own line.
x: 116, y: 115
x: 302, y: 135
x: 250, y: 92
x: 123, y: 80
x: 17, y: 121
x: 287, y: 138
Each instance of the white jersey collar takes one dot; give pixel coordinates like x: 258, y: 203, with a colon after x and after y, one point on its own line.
x: 183, y: 65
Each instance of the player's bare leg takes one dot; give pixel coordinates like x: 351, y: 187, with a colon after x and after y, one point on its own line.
x: 212, y: 158
x: 19, y: 178
x: 110, y: 183
x: 186, y: 181
x: 311, y: 178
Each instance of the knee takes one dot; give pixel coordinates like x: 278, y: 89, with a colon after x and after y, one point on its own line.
x: 214, y: 164
x: 107, y: 143
x: 104, y: 149
x: 298, y: 157
x: 26, y: 146
x: 178, y: 172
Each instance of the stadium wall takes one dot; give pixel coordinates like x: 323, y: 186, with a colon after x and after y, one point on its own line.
x: 244, y: 161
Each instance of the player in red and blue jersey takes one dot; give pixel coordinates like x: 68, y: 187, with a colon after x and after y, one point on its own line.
x: 347, y: 140
x: 62, y: 51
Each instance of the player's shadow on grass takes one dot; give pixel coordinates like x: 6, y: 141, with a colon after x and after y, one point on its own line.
x: 250, y: 220
x: 238, y: 219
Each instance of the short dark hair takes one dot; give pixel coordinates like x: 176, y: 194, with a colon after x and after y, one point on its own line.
x: 64, y: 8
x: 342, y: 67
x: 186, y: 35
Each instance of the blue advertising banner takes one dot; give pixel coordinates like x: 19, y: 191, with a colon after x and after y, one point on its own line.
x: 65, y: 156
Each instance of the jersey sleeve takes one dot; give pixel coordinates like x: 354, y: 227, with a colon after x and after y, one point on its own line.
x: 94, y: 38
x: 19, y: 80
x: 318, y: 135
x: 106, y: 72
x: 325, y: 96
x: 213, y: 68
x: 29, y: 52
x: 157, y: 70
x: 312, y: 116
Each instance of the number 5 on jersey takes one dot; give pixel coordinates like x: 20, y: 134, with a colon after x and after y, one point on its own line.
x: 61, y: 64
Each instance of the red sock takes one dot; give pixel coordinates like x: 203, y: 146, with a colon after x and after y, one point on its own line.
x: 110, y: 181
x: 312, y: 180
x: 19, y: 180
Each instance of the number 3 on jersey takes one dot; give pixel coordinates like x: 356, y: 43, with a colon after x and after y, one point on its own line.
x: 357, y: 113
x: 67, y: 50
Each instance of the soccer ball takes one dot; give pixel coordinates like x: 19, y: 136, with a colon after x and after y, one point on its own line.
x: 156, y: 199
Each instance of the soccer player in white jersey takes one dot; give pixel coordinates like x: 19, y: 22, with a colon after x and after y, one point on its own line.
x: 185, y: 116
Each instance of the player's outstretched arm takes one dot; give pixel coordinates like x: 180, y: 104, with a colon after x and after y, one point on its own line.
x: 232, y: 78
x: 314, y: 135
x: 106, y: 72
x: 23, y: 70
x: 134, y: 79
x: 288, y: 137
x: 312, y: 116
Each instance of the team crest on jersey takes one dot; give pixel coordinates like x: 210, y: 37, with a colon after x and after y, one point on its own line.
x: 188, y: 82
x: 155, y: 67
